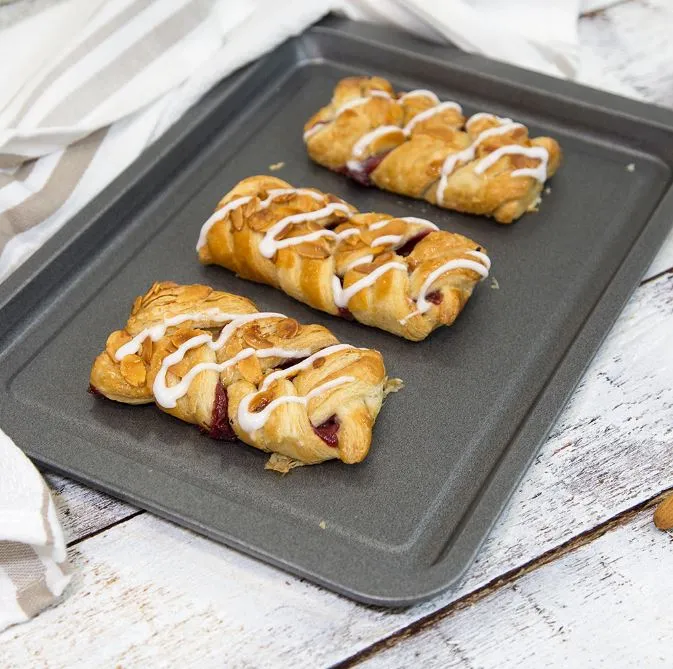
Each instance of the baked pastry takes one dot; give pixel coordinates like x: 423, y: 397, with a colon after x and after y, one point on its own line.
x: 210, y: 358
x: 415, y: 145
x: 403, y: 275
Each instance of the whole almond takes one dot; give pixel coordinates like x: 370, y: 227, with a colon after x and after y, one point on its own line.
x: 663, y: 516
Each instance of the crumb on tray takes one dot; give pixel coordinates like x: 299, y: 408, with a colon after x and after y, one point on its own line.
x: 494, y: 283
x: 631, y: 167
x: 322, y: 524
x: 277, y: 166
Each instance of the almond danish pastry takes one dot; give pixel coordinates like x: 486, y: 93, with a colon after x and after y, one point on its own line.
x: 403, y: 275
x: 416, y: 145
x: 211, y: 359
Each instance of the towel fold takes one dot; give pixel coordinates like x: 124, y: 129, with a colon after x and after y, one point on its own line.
x: 33, y: 568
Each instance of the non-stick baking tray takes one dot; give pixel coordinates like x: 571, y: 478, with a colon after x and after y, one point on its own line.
x: 480, y: 396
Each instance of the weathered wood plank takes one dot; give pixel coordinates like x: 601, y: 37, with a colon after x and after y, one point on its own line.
x: 630, y: 43
x: 82, y: 510
x: 605, y: 604
x: 147, y: 589
x: 603, y: 58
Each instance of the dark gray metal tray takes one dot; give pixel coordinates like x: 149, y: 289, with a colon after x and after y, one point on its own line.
x: 480, y: 396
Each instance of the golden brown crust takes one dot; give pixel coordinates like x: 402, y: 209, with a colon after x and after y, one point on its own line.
x: 306, y: 270
x: 289, y: 431
x: 411, y: 163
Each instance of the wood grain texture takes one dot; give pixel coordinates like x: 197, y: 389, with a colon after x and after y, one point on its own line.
x: 631, y: 42
x: 148, y: 589
x: 84, y: 511
x: 602, y: 58
x: 605, y: 604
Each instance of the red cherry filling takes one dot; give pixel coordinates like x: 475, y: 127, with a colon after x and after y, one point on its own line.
x: 364, y: 169
x: 220, y: 428
x: 289, y: 362
x: 328, y: 431
x: 435, y: 297
x: 345, y: 313
x: 95, y: 392
x: 410, y: 245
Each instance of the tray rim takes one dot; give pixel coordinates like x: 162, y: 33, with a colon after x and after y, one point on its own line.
x: 512, y: 465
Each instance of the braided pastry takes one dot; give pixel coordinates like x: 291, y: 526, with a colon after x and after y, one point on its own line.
x: 211, y: 359
x: 415, y: 145
x: 403, y: 275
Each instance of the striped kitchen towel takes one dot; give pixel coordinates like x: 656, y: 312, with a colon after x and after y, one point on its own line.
x: 88, y: 84
x: 33, y: 569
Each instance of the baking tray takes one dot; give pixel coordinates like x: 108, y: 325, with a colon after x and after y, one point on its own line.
x: 480, y: 397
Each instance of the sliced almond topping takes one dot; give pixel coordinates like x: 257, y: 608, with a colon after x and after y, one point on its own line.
x: 311, y: 250
x: 260, y: 401
x: 133, y: 370
x: 251, y: 370
x: 287, y: 328
x: 253, y: 337
x: 146, y: 350
x: 365, y: 269
x: 352, y: 241
x: 261, y: 221
x: 115, y: 341
x: 181, y: 336
x: 236, y: 218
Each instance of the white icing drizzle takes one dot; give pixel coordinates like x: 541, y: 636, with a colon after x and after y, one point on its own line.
x: 483, y: 257
x: 419, y: 221
x: 379, y: 224
x: 480, y: 115
x: 343, y: 295
x: 481, y: 268
x: 366, y: 140
x: 468, y: 154
x: 308, y: 237
x: 156, y: 332
x: 251, y: 421
x: 387, y: 239
x: 314, y: 130
x: 219, y: 215
x: 360, y: 261
x: 350, y: 104
x: 420, y: 92
x: 168, y: 396
x: 539, y: 172
x: 269, y: 245
x: 429, y: 113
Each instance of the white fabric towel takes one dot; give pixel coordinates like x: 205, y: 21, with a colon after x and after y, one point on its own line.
x: 33, y: 569
x: 87, y: 85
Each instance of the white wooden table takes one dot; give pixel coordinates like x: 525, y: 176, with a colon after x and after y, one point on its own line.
x: 574, y: 574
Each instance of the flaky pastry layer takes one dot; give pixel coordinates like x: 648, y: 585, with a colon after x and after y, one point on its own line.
x: 415, y: 145
x: 402, y: 275
x: 211, y: 359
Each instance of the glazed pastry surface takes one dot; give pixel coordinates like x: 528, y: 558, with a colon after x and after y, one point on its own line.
x: 402, y: 275
x: 211, y: 359
x: 416, y: 145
